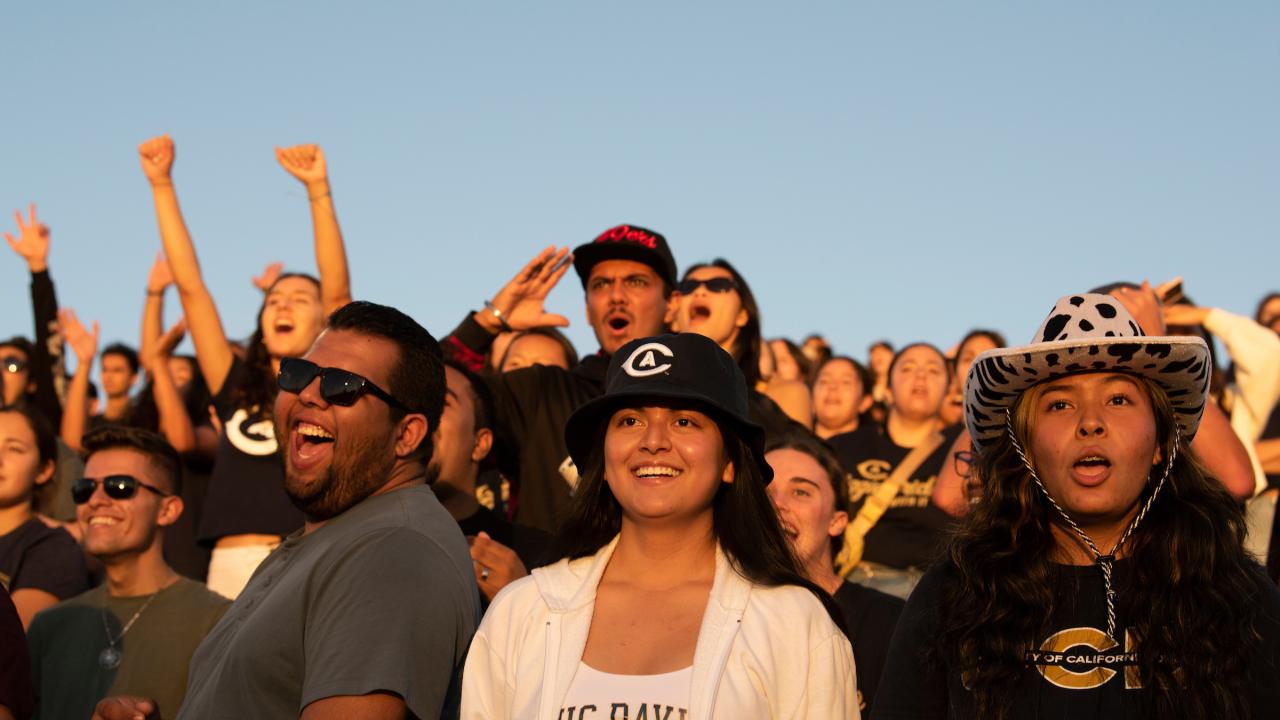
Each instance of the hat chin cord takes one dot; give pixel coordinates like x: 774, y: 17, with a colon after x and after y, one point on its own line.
x: 1104, y: 562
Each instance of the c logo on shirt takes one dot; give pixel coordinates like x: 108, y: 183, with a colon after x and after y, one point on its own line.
x: 644, y: 360
x: 1062, y: 662
x: 251, y: 437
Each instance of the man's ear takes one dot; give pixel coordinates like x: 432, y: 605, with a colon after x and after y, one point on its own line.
x: 413, y: 430
x: 673, y: 305
x: 170, y: 510
x: 484, y: 443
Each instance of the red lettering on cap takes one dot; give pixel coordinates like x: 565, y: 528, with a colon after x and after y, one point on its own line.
x: 628, y: 234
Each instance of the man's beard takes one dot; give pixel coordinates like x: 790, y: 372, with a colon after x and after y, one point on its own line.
x: 352, y: 477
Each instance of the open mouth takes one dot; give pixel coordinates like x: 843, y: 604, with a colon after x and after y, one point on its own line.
x: 656, y: 472
x: 284, y: 327
x: 618, y: 323
x: 310, y: 444
x: 1091, y: 469
x: 789, y: 530
x: 699, y: 312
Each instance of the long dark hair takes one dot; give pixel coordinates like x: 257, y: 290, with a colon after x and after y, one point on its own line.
x: 258, y: 392
x: 143, y: 413
x: 745, y: 522
x: 746, y: 348
x: 1191, y: 600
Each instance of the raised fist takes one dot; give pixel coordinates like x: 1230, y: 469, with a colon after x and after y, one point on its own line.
x: 157, y: 159
x: 305, y: 162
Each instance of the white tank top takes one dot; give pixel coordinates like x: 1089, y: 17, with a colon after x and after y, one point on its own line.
x: 596, y: 695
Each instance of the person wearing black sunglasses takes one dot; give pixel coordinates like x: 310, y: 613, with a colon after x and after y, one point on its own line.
x: 136, y: 632
x: 714, y: 300
x: 368, y: 610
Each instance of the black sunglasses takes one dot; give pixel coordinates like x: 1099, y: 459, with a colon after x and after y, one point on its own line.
x: 337, y: 386
x: 715, y: 285
x: 117, y: 487
x: 13, y: 364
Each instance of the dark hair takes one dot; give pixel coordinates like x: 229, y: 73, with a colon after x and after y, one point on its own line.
x: 746, y: 348
x: 417, y: 379
x: 129, y: 354
x: 158, y: 451
x: 570, y: 353
x: 20, y: 343
x: 802, y: 362
x: 1192, y: 599
x: 745, y: 521
x: 481, y: 396
x: 880, y: 343
x: 144, y: 414
x: 818, y: 449
x: 864, y: 375
x: 992, y: 335
x: 1257, y: 314
x: 258, y: 391
x: 92, y: 390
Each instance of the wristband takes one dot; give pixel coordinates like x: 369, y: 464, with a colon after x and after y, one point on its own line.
x: 321, y: 196
x: 502, y: 320
x: 155, y: 293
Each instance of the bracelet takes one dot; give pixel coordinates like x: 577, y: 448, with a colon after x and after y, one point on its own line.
x: 497, y: 314
x: 321, y: 196
x: 155, y: 293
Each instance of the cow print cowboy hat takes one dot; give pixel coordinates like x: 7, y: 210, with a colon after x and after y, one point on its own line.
x: 687, y: 370
x: 1086, y: 333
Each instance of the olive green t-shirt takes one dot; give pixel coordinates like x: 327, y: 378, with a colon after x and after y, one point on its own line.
x: 67, y: 639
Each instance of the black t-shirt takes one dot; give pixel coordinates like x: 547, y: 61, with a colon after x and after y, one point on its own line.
x: 907, y: 534
x: 870, y: 616
x: 16, y: 689
x: 529, y: 544
x: 246, y: 493
x: 34, y: 556
x: 1075, y: 673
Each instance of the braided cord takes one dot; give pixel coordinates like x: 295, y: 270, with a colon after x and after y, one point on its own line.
x: 1104, y: 562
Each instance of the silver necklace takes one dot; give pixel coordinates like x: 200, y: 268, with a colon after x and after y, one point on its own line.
x: 110, y: 657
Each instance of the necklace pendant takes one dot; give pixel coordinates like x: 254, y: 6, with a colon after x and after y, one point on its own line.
x: 109, y: 659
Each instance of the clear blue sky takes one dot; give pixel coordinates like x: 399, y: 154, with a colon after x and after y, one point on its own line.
x: 906, y: 170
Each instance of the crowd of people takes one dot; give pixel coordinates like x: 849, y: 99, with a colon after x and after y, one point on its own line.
x: 342, y: 516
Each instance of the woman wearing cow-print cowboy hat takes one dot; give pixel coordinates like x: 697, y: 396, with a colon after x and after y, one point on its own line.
x: 676, y: 594
x: 1102, y: 574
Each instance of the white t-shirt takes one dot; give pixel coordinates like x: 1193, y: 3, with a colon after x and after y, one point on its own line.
x: 596, y: 695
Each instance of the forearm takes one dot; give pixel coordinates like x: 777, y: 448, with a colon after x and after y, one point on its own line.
x: 1269, y: 455
x: 1223, y: 454
x: 46, y: 363
x: 75, y: 414
x: 175, y: 424
x: 331, y: 253
x: 152, y: 322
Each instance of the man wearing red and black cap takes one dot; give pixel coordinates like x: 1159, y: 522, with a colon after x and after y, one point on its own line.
x: 628, y: 274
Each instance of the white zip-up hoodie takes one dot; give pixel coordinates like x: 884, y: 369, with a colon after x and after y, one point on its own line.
x: 762, y: 652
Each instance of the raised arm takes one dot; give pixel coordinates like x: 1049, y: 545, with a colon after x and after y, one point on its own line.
x: 213, y: 352
x: 75, y: 416
x: 32, y: 245
x: 158, y: 280
x: 307, y: 164
x: 175, y: 423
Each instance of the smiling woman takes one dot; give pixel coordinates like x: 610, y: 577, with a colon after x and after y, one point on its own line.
x: 673, y: 568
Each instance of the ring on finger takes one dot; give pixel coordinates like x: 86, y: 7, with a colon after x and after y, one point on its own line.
x: 484, y: 573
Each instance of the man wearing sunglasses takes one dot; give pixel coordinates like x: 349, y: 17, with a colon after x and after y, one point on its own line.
x: 135, y: 633
x: 369, y: 609
x: 628, y: 274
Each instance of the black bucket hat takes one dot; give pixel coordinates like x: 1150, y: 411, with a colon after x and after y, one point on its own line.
x: 684, y: 368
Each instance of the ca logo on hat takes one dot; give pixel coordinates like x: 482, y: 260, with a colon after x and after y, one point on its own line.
x: 644, y: 360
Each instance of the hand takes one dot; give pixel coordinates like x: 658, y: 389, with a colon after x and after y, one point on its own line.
x: 161, y: 277
x: 32, y: 242
x: 305, y: 162
x: 521, y: 300
x: 157, y: 156
x: 84, y: 344
x: 269, y: 275
x: 1144, y: 305
x: 126, y: 707
x: 1184, y: 315
x: 162, y: 349
x: 496, y: 565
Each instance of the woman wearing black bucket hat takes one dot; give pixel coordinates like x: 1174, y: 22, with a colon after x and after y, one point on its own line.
x: 676, y: 594
x: 1102, y: 575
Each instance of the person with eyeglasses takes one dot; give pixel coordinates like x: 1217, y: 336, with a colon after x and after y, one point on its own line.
x: 135, y: 633
x: 714, y: 300
x: 245, y: 513
x: 367, y: 611
x: 39, y: 565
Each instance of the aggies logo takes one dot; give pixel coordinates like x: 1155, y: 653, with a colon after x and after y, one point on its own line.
x: 1084, y: 658
x: 649, y: 359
